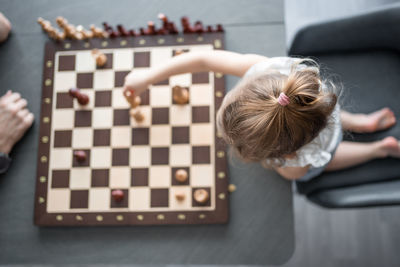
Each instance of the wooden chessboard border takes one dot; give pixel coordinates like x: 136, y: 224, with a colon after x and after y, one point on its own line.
x: 42, y: 218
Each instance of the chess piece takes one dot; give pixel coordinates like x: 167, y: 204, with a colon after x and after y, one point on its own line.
x: 137, y: 115
x: 186, y: 25
x: 166, y: 24
x: 151, y: 28
x: 100, y: 57
x: 172, y: 28
x: 178, y: 52
x: 133, y: 100
x: 180, y: 196
x: 181, y: 175
x: 97, y: 32
x: 220, y: 28
x: 44, y: 23
x: 82, y: 98
x: 231, y: 188
x: 106, y: 26
x: 180, y: 94
x: 80, y: 155
x: 118, y: 195
x: 198, y: 27
x: 87, y: 34
x: 201, y: 196
x: 132, y: 33
x: 122, y: 31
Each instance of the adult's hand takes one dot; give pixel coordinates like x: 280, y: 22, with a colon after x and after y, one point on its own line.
x: 5, y: 27
x: 15, y: 119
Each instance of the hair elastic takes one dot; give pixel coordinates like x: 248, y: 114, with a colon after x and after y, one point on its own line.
x: 283, y: 99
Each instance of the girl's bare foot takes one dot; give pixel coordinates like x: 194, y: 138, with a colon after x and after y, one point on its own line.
x: 389, y: 147
x: 375, y: 121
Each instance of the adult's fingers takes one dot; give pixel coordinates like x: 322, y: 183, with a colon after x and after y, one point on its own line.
x: 13, y: 98
x: 28, y: 120
x: 21, y: 103
x: 23, y: 113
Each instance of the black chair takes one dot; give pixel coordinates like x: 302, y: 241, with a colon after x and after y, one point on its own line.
x: 363, y: 52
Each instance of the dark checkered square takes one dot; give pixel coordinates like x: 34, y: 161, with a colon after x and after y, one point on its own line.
x: 120, y: 157
x: 60, y: 179
x: 140, y: 177
x: 180, y: 135
x: 159, y: 155
x: 83, y: 118
x: 62, y: 138
x: 79, y: 199
x: 141, y: 59
x: 64, y: 100
x: 101, y: 137
x: 121, y: 117
x: 140, y: 136
x: 160, y: 116
x: 66, y: 63
x: 200, y: 154
x: 200, y: 114
x: 100, y: 177
x: 102, y: 99
x: 159, y: 197
x: 84, y: 80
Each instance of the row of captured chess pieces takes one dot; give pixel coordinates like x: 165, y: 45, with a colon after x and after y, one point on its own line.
x: 70, y: 31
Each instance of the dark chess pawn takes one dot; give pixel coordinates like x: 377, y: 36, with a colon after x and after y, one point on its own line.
x: 80, y: 155
x: 118, y: 195
x: 82, y: 98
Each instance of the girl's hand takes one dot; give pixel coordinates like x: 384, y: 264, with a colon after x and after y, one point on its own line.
x: 136, y: 83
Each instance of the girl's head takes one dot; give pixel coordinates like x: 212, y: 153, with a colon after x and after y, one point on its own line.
x: 258, y: 127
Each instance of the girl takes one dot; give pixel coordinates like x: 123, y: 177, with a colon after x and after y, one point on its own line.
x: 281, y: 113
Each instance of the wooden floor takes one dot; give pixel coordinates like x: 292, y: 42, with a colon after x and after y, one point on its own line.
x: 356, y: 237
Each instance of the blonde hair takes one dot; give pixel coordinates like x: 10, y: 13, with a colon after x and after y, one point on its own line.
x: 257, y: 127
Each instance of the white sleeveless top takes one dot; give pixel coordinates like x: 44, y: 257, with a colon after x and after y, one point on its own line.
x: 317, y: 153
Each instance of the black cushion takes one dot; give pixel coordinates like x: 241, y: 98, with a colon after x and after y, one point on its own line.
x: 362, y: 54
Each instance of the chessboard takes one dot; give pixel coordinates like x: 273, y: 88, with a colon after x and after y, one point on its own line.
x: 138, y: 158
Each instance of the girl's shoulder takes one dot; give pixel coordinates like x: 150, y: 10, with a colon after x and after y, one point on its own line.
x: 281, y: 64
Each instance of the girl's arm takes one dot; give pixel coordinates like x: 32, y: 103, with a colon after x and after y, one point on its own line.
x: 292, y: 173
x: 217, y: 61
